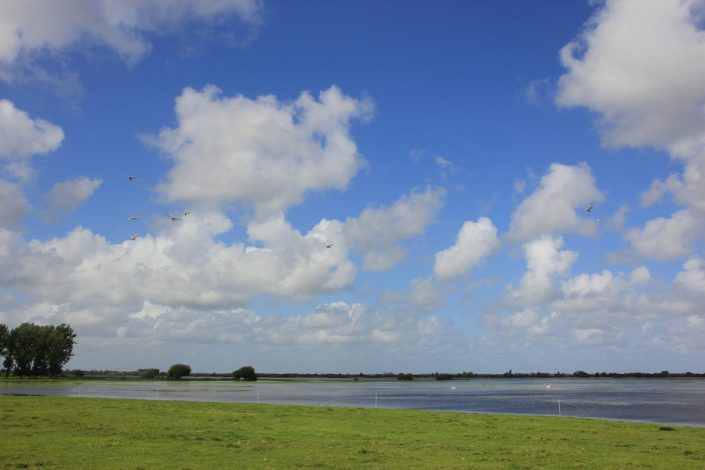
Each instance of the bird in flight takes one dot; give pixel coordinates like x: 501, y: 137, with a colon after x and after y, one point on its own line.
x: 132, y: 217
x: 134, y: 237
x: 187, y: 213
x: 131, y: 178
x: 589, y: 208
x: 329, y: 245
x: 174, y: 218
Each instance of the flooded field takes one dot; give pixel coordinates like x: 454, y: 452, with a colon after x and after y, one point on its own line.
x: 668, y: 401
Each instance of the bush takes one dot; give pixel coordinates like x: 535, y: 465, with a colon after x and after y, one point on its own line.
x: 245, y: 373
x: 405, y: 377
x: 444, y: 377
x: 150, y: 373
x: 178, y: 370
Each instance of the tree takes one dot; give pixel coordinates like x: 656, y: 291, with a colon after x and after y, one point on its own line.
x: 37, y: 350
x: 4, y: 345
x: 23, y: 348
x: 245, y: 373
x: 177, y: 371
x: 61, y: 342
x: 148, y: 373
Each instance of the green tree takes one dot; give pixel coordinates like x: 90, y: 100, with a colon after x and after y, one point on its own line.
x: 23, y: 346
x: 4, y: 344
x: 60, y: 343
x: 148, y: 373
x: 38, y: 350
x: 245, y: 373
x: 177, y: 371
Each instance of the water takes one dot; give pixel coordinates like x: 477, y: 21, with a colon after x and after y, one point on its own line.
x: 667, y: 401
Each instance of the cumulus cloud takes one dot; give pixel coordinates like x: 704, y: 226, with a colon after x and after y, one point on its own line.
x: 545, y: 261
x: 31, y: 27
x: 640, y: 275
x: 183, y: 266
x: 14, y: 205
x: 554, y: 206
x: 622, y: 67
x: 475, y: 242
x: 666, y: 238
x: 66, y: 196
x: 608, y: 310
x: 378, y: 231
x: 691, y: 279
x: 22, y: 136
x: 260, y: 152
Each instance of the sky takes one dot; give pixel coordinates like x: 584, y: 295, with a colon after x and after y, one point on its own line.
x: 448, y: 151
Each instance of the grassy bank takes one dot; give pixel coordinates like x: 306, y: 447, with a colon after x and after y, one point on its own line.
x: 64, y: 432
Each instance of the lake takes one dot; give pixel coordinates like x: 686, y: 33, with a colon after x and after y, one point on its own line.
x: 666, y: 401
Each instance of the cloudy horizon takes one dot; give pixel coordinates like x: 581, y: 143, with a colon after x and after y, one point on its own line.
x: 368, y: 187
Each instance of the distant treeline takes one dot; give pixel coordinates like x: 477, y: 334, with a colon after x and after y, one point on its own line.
x: 155, y: 373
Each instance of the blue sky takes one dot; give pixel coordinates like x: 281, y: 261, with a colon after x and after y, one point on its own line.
x: 448, y: 150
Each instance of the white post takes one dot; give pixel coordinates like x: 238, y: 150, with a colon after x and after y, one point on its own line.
x: 257, y: 394
x: 559, y: 408
x: 375, y: 400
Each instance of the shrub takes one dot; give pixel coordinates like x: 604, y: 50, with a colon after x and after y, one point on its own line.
x: 177, y: 371
x: 245, y: 373
x: 150, y: 373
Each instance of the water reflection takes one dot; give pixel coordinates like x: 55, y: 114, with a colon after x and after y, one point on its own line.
x: 668, y: 401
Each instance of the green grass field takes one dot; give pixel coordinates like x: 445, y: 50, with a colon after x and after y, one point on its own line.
x: 62, y: 432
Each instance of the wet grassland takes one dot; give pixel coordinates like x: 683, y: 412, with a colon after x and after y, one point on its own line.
x: 70, y: 432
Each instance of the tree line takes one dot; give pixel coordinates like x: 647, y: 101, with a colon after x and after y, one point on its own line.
x: 34, y: 350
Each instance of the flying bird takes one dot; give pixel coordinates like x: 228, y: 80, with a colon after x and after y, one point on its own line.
x: 134, y: 237
x: 329, y: 245
x: 589, y: 208
x: 132, y: 217
x: 131, y: 178
x: 174, y: 218
x: 187, y: 213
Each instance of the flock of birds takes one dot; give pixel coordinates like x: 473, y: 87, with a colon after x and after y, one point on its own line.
x: 175, y: 218
x: 133, y: 218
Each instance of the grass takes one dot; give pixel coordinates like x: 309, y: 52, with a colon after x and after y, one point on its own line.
x: 67, y: 432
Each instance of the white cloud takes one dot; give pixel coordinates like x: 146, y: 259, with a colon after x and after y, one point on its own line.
x: 182, y: 266
x: 14, y: 205
x: 554, y: 206
x: 640, y: 275
x: 475, y: 242
x: 691, y: 279
x: 377, y: 232
x: 260, y: 152
x: 666, y: 238
x: 31, y: 27
x: 66, y: 196
x: 22, y: 136
x: 622, y: 67
x: 545, y: 261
